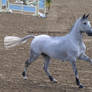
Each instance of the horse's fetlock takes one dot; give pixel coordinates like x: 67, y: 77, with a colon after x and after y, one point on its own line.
x: 51, y: 78
x: 77, y: 81
x: 23, y: 73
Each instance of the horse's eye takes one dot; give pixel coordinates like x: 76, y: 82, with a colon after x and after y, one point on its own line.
x: 84, y: 23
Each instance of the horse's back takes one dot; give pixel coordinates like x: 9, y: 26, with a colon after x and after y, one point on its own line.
x: 40, y: 39
x: 48, y: 44
x: 43, y: 43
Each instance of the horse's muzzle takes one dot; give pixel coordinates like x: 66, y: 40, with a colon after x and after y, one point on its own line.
x: 89, y: 33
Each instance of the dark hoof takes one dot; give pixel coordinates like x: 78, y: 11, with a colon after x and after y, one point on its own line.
x: 52, y: 79
x: 81, y: 86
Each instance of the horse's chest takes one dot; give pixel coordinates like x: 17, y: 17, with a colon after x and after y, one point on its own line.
x: 81, y: 48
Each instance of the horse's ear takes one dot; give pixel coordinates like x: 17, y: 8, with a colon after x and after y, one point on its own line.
x: 87, y: 16
x: 84, y: 16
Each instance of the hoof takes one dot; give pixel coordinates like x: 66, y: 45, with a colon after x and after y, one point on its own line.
x: 81, y: 86
x: 54, y: 81
x: 24, y: 76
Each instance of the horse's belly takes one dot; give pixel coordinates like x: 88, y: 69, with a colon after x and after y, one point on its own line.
x: 61, y: 56
x: 55, y: 53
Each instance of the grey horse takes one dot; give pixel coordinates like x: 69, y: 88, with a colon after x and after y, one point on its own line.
x: 65, y: 48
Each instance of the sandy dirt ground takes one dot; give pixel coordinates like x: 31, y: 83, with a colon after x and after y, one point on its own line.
x: 61, y: 17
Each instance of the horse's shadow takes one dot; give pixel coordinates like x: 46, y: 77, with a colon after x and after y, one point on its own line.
x: 43, y: 86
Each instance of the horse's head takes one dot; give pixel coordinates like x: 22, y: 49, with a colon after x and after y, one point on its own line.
x: 85, y: 26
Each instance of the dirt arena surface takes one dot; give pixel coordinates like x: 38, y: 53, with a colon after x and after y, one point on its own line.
x: 60, y: 19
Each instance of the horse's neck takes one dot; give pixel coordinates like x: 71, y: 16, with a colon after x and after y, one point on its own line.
x: 75, y: 33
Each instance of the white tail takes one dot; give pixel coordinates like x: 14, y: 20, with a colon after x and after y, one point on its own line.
x: 11, y: 41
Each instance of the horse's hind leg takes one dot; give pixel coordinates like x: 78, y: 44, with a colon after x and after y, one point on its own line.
x: 32, y: 58
x: 46, y: 63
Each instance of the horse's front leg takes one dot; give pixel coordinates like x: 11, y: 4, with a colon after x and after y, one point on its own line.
x: 85, y: 58
x: 76, y: 73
